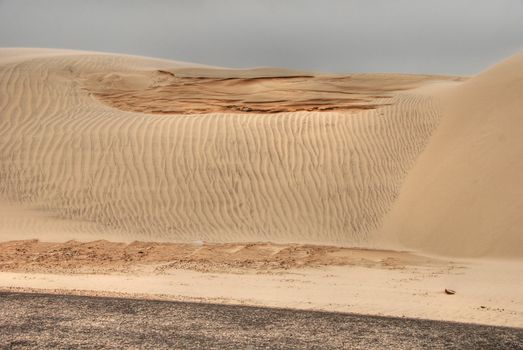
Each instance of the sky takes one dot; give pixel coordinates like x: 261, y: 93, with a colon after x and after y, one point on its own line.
x: 459, y: 37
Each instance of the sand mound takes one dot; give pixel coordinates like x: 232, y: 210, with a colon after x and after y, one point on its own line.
x: 73, y: 164
x: 465, y: 193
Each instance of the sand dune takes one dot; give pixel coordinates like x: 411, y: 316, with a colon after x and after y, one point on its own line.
x: 104, y: 256
x: 317, y: 177
x: 121, y: 147
x: 465, y: 194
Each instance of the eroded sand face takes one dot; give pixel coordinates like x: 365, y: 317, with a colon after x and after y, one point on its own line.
x: 203, y: 91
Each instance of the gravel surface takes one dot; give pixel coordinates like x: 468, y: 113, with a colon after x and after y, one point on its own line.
x: 45, y: 321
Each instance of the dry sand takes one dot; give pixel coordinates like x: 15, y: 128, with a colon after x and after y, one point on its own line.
x: 121, y: 148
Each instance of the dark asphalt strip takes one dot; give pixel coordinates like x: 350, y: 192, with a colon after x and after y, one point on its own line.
x: 45, y: 321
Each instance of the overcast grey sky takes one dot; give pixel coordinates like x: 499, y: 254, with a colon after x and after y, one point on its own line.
x: 416, y: 36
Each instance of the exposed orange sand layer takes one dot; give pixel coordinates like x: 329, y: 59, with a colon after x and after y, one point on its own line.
x: 124, y: 148
x: 105, y: 256
x: 202, y: 91
x: 149, y: 165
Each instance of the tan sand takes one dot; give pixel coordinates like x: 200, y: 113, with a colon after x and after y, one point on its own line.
x: 121, y: 148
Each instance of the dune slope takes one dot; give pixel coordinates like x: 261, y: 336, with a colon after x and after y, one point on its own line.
x: 464, y: 196
x: 76, y: 165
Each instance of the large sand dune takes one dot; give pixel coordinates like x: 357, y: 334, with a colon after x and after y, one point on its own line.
x: 122, y: 148
x: 304, y: 176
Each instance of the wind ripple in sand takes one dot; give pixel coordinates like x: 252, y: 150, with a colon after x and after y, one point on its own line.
x: 320, y: 177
